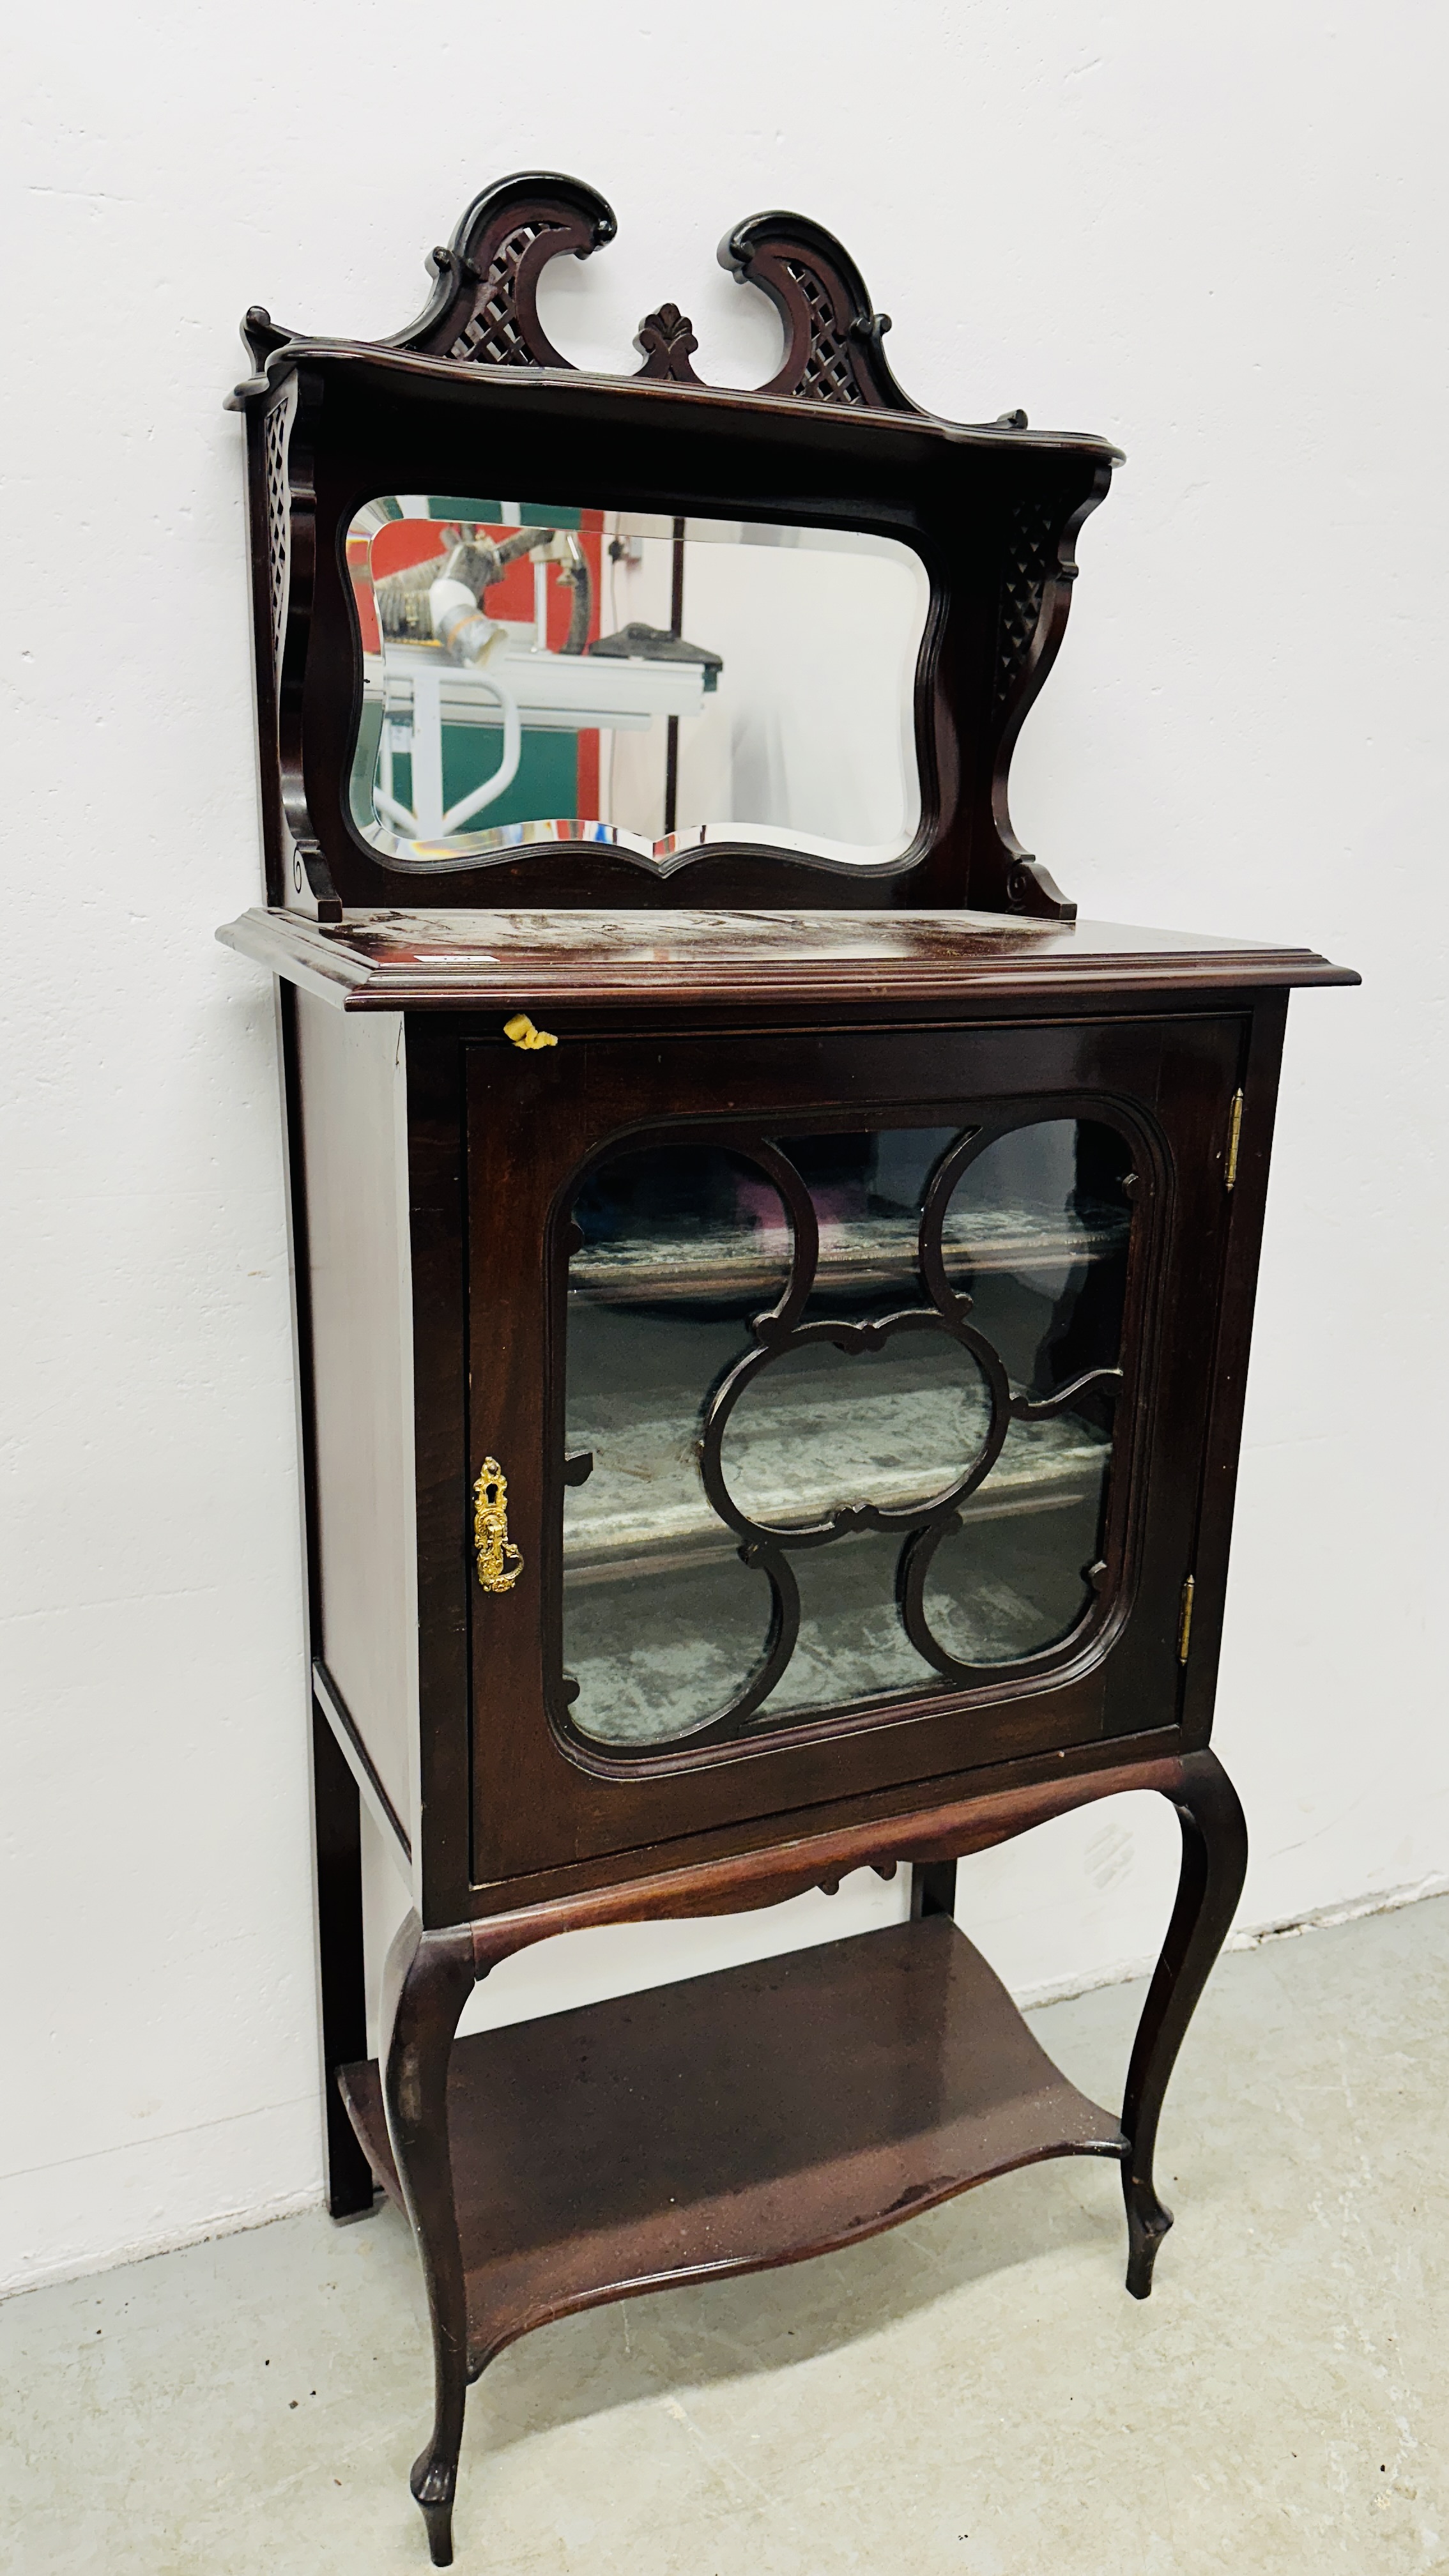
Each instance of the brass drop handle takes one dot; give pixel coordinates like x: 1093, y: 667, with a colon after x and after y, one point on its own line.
x: 499, y: 1562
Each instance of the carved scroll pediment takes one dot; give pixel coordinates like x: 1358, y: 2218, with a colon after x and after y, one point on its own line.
x: 484, y: 307
x: 832, y: 336
x: 483, y: 310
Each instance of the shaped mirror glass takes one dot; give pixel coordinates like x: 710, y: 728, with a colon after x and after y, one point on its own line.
x: 538, y: 673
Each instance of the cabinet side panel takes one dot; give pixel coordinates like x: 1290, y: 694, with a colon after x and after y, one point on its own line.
x: 353, y: 1116
x: 1247, y: 1206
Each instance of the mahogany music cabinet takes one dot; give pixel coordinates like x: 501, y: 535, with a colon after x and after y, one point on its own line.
x: 773, y: 1286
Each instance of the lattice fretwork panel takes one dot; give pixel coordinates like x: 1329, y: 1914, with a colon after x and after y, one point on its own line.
x: 277, y: 520
x: 1031, y: 559
x: 828, y: 374
x: 491, y: 336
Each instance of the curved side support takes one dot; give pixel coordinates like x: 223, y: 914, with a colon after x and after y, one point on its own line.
x: 428, y: 1978
x: 1036, y: 595
x: 292, y: 523
x: 1214, y: 1861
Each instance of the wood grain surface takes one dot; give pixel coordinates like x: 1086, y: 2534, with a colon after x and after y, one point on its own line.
x: 735, y: 2121
x: 431, y: 961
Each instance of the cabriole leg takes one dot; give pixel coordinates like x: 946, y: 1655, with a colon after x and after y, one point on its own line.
x: 1214, y: 1860
x: 429, y: 1977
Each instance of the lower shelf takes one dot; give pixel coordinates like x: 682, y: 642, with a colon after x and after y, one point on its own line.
x: 733, y: 2122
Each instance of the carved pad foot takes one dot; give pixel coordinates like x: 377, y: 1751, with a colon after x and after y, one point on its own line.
x: 433, y: 2483
x: 428, y: 1978
x: 1147, y: 2224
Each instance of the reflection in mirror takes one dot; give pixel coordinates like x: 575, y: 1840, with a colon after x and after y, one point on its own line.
x: 552, y: 673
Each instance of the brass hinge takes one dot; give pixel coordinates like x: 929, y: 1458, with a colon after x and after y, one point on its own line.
x: 1184, y: 1621
x: 1235, y: 1129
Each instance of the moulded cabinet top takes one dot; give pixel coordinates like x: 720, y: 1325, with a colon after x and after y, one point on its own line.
x: 396, y: 960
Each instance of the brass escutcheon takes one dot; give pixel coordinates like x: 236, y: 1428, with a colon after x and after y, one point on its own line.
x: 499, y: 1562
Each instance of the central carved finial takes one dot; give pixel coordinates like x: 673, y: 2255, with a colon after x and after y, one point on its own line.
x: 665, y: 341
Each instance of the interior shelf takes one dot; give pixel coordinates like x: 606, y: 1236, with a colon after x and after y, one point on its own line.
x: 735, y: 2121
x: 656, y: 1316
x: 857, y: 1254
x: 644, y: 1510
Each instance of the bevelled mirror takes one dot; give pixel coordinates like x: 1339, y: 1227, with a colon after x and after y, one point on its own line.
x: 537, y: 673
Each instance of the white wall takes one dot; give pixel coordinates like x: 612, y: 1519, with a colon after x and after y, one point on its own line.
x: 1209, y: 234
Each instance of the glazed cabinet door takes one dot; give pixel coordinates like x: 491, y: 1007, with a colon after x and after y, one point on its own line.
x: 836, y: 1408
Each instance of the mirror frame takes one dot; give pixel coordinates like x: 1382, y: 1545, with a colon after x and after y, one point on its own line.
x: 474, y: 397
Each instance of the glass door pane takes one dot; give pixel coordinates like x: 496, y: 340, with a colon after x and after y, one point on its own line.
x: 839, y: 1418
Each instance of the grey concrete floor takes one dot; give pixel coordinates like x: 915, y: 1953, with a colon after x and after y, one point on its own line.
x: 972, y: 2393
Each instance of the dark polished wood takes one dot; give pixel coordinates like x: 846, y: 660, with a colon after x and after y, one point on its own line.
x: 813, y: 2099
x: 746, y: 997
x: 933, y: 1889
x: 337, y: 1821
x: 994, y: 510
x: 807, y: 2101
x: 520, y: 1836
x: 543, y: 1801
x: 796, y: 964
x: 796, y: 2105
x: 483, y: 309
x: 1247, y: 1203
x: 1214, y: 1862
x: 782, y: 1864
